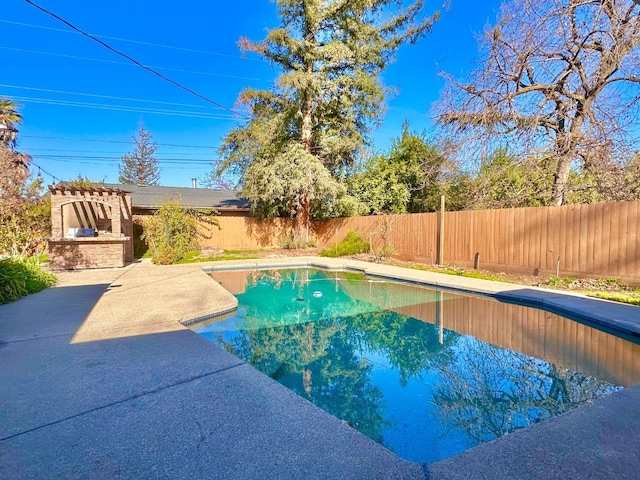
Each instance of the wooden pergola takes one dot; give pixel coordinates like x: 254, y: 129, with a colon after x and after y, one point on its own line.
x: 91, y: 227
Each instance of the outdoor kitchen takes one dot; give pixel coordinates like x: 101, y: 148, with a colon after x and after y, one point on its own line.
x: 91, y: 227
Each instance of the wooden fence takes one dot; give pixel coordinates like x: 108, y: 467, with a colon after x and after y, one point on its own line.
x: 598, y: 240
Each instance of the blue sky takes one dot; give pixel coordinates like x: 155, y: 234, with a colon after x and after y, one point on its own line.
x: 82, y: 103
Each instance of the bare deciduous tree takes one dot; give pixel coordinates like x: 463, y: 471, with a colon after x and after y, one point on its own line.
x: 560, y: 78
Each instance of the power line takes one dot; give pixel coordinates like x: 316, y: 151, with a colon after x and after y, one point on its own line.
x: 77, y: 57
x: 95, y: 95
x: 112, y: 158
x: 65, y: 150
x: 140, y: 42
x: 113, y: 163
x: 123, y: 108
x: 44, y: 137
x: 151, y: 70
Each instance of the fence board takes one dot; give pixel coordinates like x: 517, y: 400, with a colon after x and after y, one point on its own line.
x: 633, y: 249
x: 614, y: 226
x: 591, y: 240
x: 582, y: 240
x: 623, y: 239
x: 597, y: 221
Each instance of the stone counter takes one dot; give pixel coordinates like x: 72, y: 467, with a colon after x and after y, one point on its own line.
x: 89, y: 252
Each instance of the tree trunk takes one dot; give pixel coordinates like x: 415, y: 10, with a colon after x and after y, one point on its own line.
x: 560, y: 180
x: 306, y: 381
x: 303, y: 214
x: 566, y: 142
x: 306, y: 131
x: 302, y: 220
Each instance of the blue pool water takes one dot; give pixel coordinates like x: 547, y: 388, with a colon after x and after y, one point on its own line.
x: 428, y: 374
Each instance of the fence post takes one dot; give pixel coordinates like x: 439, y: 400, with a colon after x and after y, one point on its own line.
x: 441, y: 243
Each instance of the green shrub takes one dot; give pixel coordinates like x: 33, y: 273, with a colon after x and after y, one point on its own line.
x: 20, y: 277
x: 351, y: 245
x: 291, y: 243
x: 386, y: 251
x: 166, y: 256
x: 555, y: 281
x: 172, y: 231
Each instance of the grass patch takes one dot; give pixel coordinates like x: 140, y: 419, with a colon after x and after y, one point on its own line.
x: 631, y: 298
x: 351, y: 245
x: 42, y: 258
x: 555, y: 281
x: 573, y: 283
x: 20, y: 277
x: 241, y: 252
x: 460, y: 272
x: 194, y: 257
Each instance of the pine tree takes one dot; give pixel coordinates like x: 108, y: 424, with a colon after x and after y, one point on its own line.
x: 311, y: 125
x: 141, y: 167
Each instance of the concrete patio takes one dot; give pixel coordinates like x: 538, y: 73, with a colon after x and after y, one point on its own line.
x: 100, y: 379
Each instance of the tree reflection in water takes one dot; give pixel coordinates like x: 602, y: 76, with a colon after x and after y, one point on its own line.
x: 302, y: 329
x: 318, y: 362
x: 489, y: 392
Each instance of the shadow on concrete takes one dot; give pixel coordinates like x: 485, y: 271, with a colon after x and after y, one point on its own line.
x: 52, y: 312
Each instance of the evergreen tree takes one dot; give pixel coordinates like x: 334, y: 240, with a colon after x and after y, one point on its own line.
x: 302, y: 133
x: 141, y: 167
x: 421, y: 168
x: 410, y: 178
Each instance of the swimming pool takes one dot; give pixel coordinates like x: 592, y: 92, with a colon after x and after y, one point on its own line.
x: 426, y: 373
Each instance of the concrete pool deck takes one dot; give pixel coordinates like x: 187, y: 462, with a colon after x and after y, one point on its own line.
x: 99, y: 379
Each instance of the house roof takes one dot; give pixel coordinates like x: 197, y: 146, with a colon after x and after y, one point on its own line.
x: 151, y: 197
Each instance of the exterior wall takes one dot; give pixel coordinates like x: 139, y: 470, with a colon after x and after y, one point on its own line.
x: 87, y: 253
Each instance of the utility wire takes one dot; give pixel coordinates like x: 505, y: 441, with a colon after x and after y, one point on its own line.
x: 124, y: 108
x: 111, y: 163
x: 114, y: 62
x: 95, y: 95
x: 165, y: 165
x: 139, y: 42
x: 112, y: 141
x: 102, y: 157
x: 34, y: 151
x: 151, y: 70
